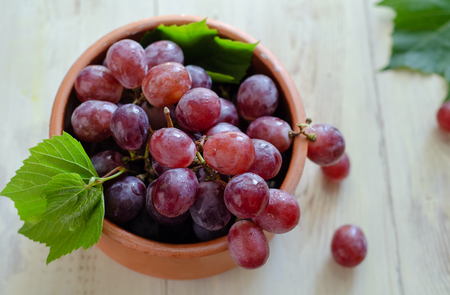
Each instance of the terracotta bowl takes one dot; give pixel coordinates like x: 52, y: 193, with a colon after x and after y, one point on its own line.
x: 190, y: 261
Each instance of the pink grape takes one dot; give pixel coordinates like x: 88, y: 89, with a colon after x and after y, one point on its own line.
x: 246, y: 195
x: 443, y: 117
x: 329, y: 146
x: 127, y: 62
x: 228, y: 112
x: 257, y: 97
x: 273, y: 130
x: 199, y: 77
x: 156, y: 117
x: 209, y: 210
x: 165, y: 84
x: 163, y: 51
x: 107, y: 161
x: 221, y: 127
x: 174, y: 192
x: 339, y: 171
x: 198, y: 109
x: 129, y: 126
x: 172, y: 148
x: 349, y: 246
x: 281, y: 215
x: 91, y: 120
x: 267, y: 162
x: 158, y: 168
x: 97, y: 83
x: 229, y: 153
x: 248, y: 245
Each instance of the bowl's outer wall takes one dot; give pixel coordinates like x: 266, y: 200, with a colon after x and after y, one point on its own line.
x: 181, y: 261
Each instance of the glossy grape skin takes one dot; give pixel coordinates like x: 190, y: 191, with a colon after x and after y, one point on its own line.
x: 106, y: 161
x: 228, y: 112
x: 257, y: 97
x: 158, y: 168
x: 198, y: 109
x: 199, y: 77
x: 91, y: 120
x: 163, y: 220
x: 281, y: 215
x: 163, y: 51
x: 97, y: 83
x: 174, y: 192
x: 273, y: 130
x: 329, y: 146
x: 268, y: 160
x: 443, y: 117
x: 124, y: 199
x: 208, y: 235
x: 172, y: 148
x: 339, y: 171
x: 229, y: 152
x: 221, y: 127
x: 165, y: 84
x: 248, y: 245
x: 127, y: 62
x: 349, y: 246
x: 129, y: 126
x: 246, y: 195
x: 209, y: 210
x: 156, y: 117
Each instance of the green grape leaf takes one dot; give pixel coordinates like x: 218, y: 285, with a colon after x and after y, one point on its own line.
x: 421, y: 34
x: 61, y: 239
x: 227, y: 59
x: 69, y: 199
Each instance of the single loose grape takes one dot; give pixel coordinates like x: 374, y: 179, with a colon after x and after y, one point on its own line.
x: 443, y: 117
x: 329, y: 146
x: 339, y: 171
x: 199, y: 77
x: 229, y: 153
x: 248, y: 245
x: 273, y: 130
x: 127, y: 62
x: 165, y: 84
x: 163, y: 51
x: 228, y: 112
x: 257, y: 97
x: 91, y: 120
x: 349, y: 246
x: 268, y: 160
x: 129, y: 126
x: 97, y: 83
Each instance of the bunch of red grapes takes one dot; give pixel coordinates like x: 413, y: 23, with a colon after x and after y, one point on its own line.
x: 191, y: 174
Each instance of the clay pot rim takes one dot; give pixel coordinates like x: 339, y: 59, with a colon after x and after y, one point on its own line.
x: 266, y: 57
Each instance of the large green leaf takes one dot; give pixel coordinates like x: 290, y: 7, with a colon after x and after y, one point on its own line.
x: 421, y: 36
x: 202, y: 47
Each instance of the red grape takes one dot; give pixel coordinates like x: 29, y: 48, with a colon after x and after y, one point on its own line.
x: 273, y: 130
x: 209, y: 210
x: 257, y: 97
x: 229, y: 153
x: 349, y: 245
x: 163, y: 51
x: 126, y: 60
x: 221, y: 127
x: 172, y: 148
x: 156, y: 117
x: 97, y: 83
x: 246, y: 195
x: 267, y: 162
x: 174, y: 192
x: 281, y: 215
x: 129, y: 126
x: 248, y: 245
x: 443, y: 117
x: 158, y: 168
x: 329, y: 146
x: 198, y: 109
x: 107, y: 161
x: 208, y: 235
x: 199, y: 77
x: 339, y: 171
x: 165, y: 84
x: 228, y: 112
x: 91, y: 120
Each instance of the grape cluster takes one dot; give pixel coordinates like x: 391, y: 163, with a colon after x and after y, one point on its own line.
x: 188, y: 172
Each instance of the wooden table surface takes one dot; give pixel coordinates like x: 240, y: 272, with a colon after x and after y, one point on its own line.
x: 398, y: 190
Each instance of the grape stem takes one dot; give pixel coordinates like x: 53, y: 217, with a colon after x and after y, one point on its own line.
x: 200, y: 158
x: 167, y: 115
x: 310, y: 136
x: 139, y: 96
x: 110, y: 175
